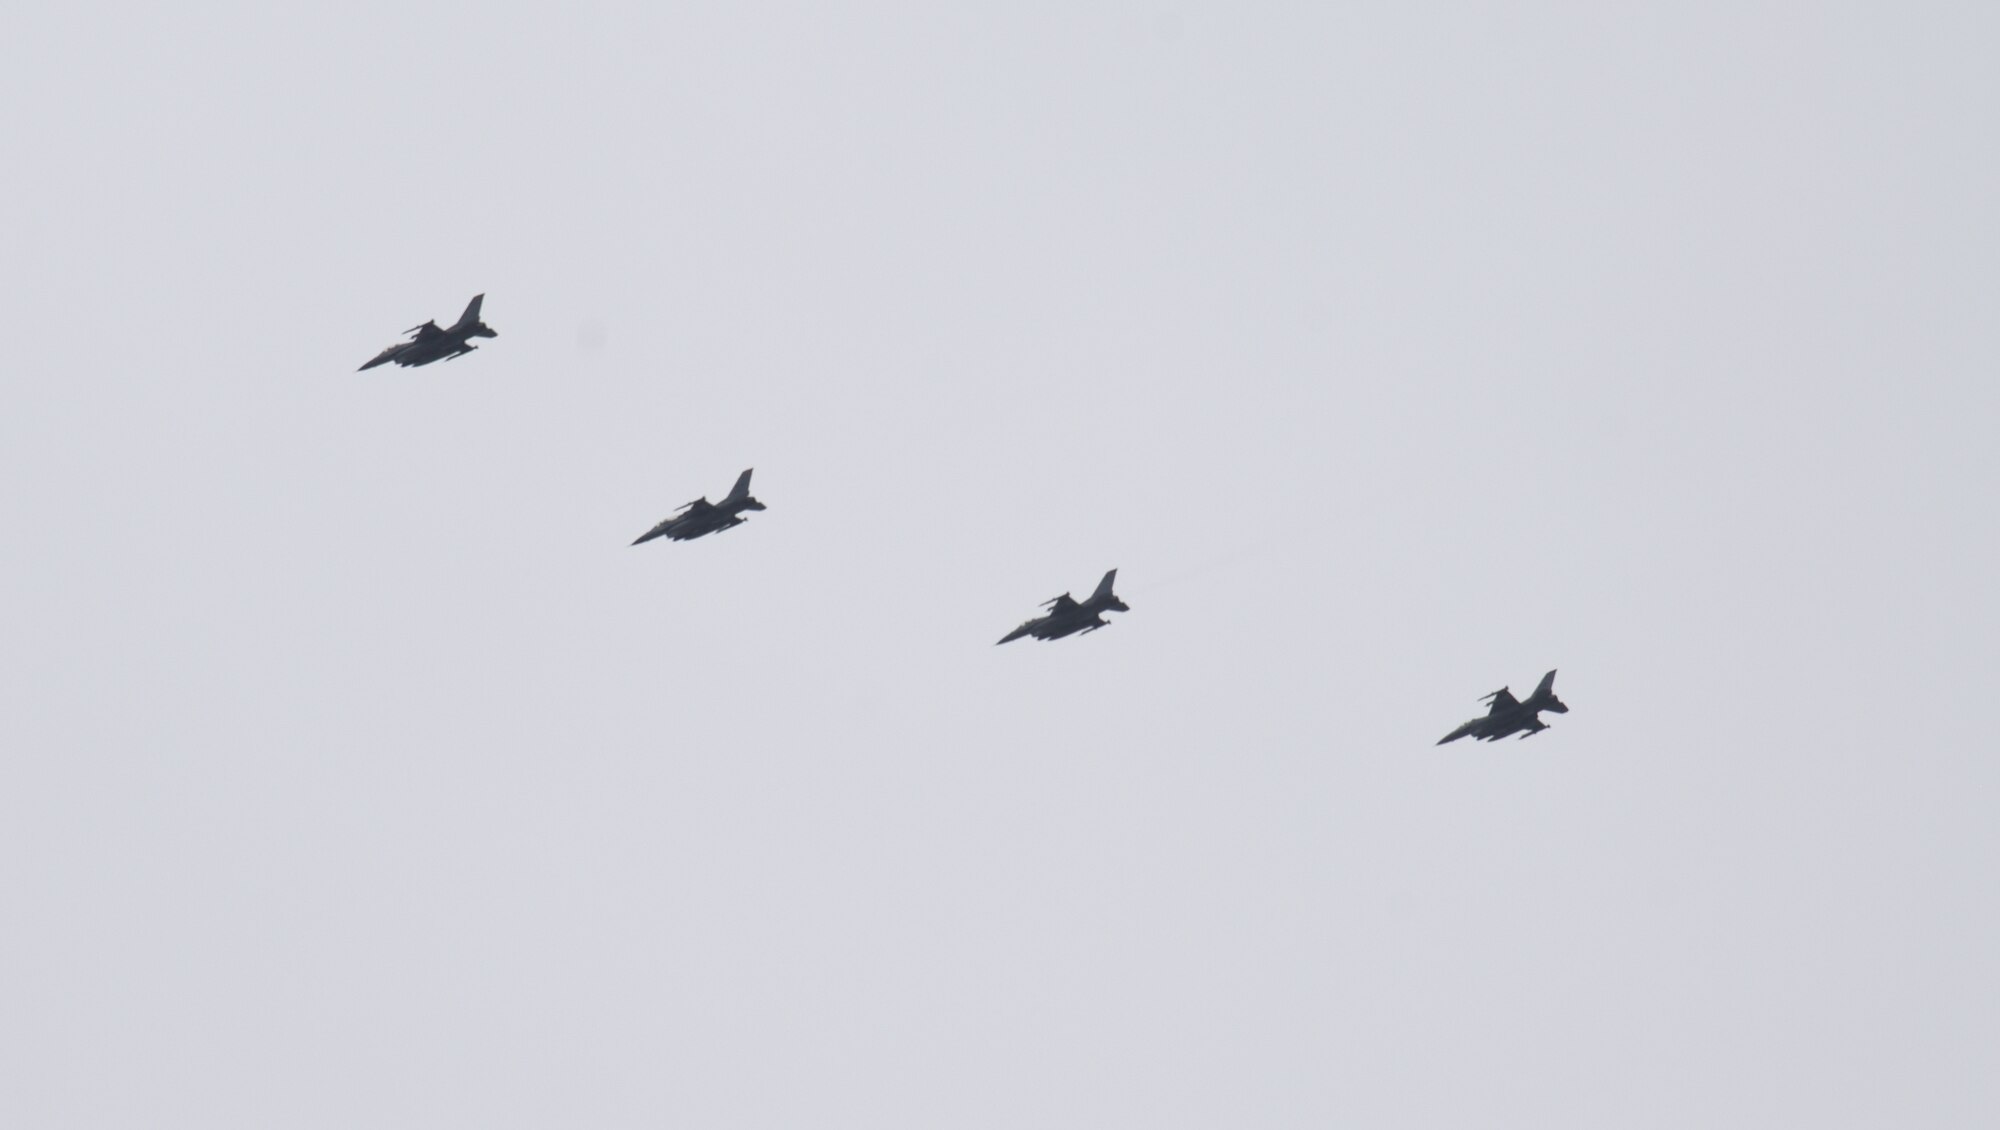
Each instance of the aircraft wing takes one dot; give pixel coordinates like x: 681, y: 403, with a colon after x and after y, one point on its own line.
x: 1503, y: 699
x: 1060, y: 605
x: 425, y: 332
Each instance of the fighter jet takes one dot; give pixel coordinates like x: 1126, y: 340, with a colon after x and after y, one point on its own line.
x: 1508, y: 715
x: 704, y: 517
x: 428, y: 343
x: 1066, y: 616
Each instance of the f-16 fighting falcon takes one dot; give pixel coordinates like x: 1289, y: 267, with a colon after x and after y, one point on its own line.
x: 704, y: 517
x: 1508, y: 715
x: 428, y: 343
x: 1067, y: 616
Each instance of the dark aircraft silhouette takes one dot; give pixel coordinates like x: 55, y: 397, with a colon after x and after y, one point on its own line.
x: 704, y: 517
x: 429, y: 343
x: 1066, y: 616
x: 1509, y: 715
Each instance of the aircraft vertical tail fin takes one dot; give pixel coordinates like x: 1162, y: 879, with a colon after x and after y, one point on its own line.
x: 471, y: 316
x: 1545, y: 698
x: 741, y: 490
x: 1104, y: 586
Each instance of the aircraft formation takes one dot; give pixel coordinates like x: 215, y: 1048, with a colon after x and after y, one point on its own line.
x: 1066, y: 616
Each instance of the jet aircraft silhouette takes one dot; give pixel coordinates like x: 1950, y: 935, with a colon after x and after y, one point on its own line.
x: 704, y: 517
x: 1067, y: 616
x: 1508, y: 715
x: 428, y: 343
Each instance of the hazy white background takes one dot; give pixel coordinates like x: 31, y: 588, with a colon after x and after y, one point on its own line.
x: 358, y: 773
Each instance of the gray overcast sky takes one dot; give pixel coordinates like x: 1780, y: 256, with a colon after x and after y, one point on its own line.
x: 358, y: 773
